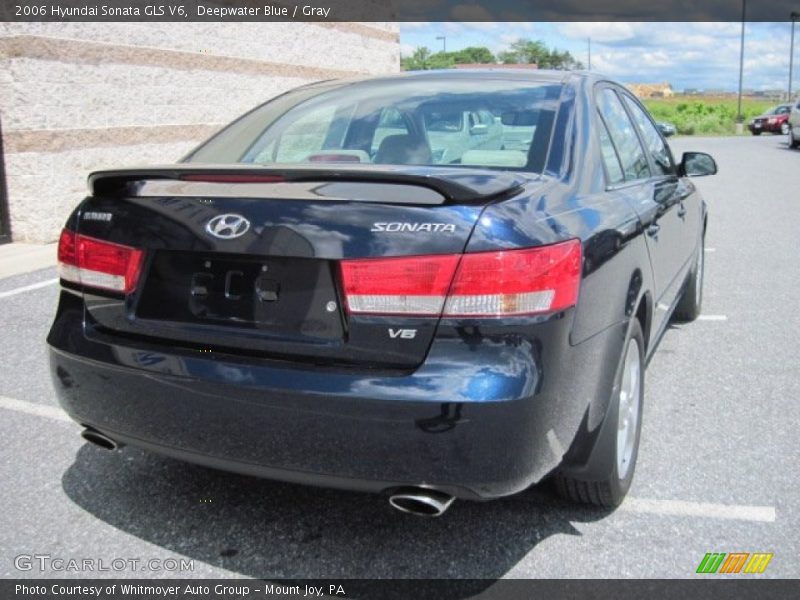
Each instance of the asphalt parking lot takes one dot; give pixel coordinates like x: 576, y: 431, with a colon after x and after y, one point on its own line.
x: 718, y: 465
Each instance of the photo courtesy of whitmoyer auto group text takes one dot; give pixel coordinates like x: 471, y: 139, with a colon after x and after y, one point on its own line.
x: 399, y: 299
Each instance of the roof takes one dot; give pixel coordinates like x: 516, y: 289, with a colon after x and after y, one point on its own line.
x: 488, y: 72
x: 501, y: 72
x: 504, y: 66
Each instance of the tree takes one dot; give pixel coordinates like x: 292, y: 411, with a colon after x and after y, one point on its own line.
x: 418, y: 61
x: 561, y: 60
x: 442, y: 60
x: 422, y: 59
x: 522, y: 51
x: 525, y: 51
x: 474, y: 55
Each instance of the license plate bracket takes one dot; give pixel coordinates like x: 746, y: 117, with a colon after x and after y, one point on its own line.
x: 291, y: 296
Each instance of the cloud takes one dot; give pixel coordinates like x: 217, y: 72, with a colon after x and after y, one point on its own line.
x: 600, y: 32
x: 509, y: 38
x: 701, y: 55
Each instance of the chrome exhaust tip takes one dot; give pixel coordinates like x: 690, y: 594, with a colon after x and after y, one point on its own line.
x: 98, y: 439
x: 421, y: 501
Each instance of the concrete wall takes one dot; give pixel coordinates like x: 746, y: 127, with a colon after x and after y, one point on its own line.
x: 75, y: 97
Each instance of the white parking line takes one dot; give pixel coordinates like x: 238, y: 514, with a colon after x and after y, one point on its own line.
x: 28, y: 288
x: 711, y: 249
x: 712, y: 318
x: 680, y: 508
x: 30, y: 408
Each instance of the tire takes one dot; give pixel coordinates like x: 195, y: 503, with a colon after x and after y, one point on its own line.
x: 615, y: 450
x: 756, y: 133
x: 691, y: 303
x: 784, y: 128
x: 793, y: 143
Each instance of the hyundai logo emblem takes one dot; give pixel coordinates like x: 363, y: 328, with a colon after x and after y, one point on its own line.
x: 228, y: 227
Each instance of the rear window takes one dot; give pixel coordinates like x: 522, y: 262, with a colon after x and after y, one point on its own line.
x: 485, y: 123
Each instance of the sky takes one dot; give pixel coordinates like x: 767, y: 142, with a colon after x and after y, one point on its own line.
x: 687, y: 55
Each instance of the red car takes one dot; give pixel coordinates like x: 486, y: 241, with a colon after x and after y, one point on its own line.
x: 775, y: 120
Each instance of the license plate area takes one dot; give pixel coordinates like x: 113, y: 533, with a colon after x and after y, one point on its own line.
x: 287, y: 296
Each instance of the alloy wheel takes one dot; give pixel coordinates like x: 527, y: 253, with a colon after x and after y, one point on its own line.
x: 628, y: 417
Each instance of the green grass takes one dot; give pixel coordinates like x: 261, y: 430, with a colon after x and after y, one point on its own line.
x: 705, y: 116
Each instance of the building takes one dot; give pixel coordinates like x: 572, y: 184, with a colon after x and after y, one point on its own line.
x: 651, y: 90
x: 75, y: 97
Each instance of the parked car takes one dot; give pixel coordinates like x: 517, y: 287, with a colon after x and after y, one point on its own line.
x: 667, y: 129
x: 294, y: 301
x: 775, y: 120
x: 794, y: 125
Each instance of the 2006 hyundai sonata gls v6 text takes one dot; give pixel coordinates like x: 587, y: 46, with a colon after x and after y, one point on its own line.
x: 432, y: 285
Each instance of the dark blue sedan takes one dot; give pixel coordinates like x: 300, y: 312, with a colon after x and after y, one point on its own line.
x: 431, y: 285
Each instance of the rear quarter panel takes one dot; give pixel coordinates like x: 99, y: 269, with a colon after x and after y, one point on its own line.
x: 615, y: 259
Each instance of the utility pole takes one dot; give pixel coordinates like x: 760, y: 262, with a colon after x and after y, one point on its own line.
x: 444, y: 42
x: 739, y: 117
x: 589, y: 45
x: 793, y: 16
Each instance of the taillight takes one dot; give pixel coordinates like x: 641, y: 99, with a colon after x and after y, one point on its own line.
x: 415, y: 285
x: 99, y: 264
x: 483, y: 284
x: 516, y: 282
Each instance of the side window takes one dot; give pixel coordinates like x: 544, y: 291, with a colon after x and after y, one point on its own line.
x: 609, y: 153
x: 652, y: 139
x: 444, y: 121
x: 631, y: 154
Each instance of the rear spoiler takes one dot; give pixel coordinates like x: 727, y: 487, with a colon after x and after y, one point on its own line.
x: 454, y: 184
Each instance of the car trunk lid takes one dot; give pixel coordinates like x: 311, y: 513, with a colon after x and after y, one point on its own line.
x: 272, y: 288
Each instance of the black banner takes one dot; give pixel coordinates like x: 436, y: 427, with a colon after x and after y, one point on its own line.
x: 396, y: 10
x: 734, y: 587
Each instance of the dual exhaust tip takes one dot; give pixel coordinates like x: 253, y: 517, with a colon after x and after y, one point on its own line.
x: 422, y: 502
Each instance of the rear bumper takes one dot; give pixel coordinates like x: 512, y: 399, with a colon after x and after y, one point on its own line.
x: 766, y: 128
x: 487, y: 414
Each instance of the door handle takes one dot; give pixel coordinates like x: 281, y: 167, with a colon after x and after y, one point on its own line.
x: 681, y: 211
x: 653, y: 230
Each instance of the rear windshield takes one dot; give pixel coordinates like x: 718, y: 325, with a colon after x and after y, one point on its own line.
x: 485, y: 123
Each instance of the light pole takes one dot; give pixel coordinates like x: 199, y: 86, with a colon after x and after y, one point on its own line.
x: 739, y: 118
x: 793, y: 16
x: 589, y: 46
x: 444, y: 42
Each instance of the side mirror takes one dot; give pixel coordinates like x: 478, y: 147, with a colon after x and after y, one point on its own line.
x: 697, y: 164
x: 478, y: 129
